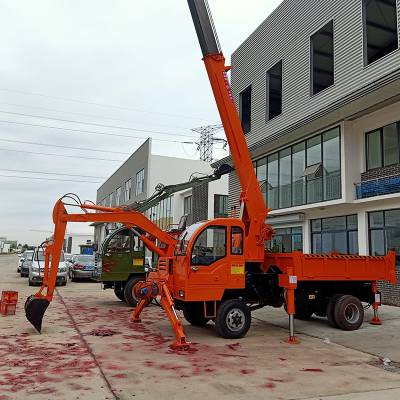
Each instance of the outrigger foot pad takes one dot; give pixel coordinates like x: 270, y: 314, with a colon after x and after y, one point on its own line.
x: 34, y: 311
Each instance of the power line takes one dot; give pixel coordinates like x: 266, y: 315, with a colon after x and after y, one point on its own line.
x: 51, y: 173
x: 101, y: 104
x: 60, y: 155
x: 91, y: 132
x: 48, y: 179
x: 85, y: 115
x: 61, y: 146
x: 95, y: 124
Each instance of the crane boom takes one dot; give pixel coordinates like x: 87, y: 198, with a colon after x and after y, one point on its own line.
x: 253, y: 208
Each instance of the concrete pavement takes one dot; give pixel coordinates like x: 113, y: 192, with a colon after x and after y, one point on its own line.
x: 72, y: 359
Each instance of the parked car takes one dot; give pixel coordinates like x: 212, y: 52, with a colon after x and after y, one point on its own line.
x: 36, y: 269
x: 82, y: 266
x: 23, y: 263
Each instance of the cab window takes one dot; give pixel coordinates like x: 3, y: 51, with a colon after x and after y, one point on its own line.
x: 209, y: 246
x: 236, y: 240
x: 120, y: 243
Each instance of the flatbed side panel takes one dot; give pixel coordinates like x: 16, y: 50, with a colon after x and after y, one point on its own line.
x: 308, y: 267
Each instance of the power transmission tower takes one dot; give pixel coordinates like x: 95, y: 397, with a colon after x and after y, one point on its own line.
x: 206, y: 142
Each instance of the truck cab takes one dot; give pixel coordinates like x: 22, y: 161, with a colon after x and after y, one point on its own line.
x: 120, y: 263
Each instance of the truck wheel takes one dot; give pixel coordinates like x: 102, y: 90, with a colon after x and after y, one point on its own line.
x: 348, y: 313
x: 233, y: 319
x: 120, y: 294
x: 330, y: 308
x: 129, y: 295
x: 303, y: 313
x: 194, y: 314
x: 30, y: 283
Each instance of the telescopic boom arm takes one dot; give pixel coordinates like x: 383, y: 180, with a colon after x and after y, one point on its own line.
x: 253, y: 208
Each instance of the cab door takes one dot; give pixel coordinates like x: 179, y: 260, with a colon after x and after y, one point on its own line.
x: 208, y: 257
x: 117, y: 257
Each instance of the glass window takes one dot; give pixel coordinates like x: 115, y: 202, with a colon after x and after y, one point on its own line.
x: 314, y: 180
x: 128, y: 186
x: 384, y: 232
x: 390, y: 145
x: 298, y: 179
x: 236, y: 240
x: 139, y: 182
x: 322, y: 59
x: 120, y: 243
x: 286, y: 240
x: 261, y: 173
x: 187, y: 205
x: 118, y: 196
x: 285, y: 178
x: 273, y: 181
x: 331, y: 164
x: 220, y: 206
x: 245, y: 109
x: 374, y: 150
x: 380, y: 28
x: 274, y: 91
x: 335, y: 235
x: 210, y: 246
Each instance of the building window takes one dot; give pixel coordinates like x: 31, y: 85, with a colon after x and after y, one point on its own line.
x: 245, y: 109
x: 274, y: 91
x: 118, y: 196
x: 384, y: 232
x: 162, y: 213
x: 335, y: 235
x: 380, y: 28
x: 220, y: 206
x: 139, y: 182
x: 187, y: 205
x: 286, y: 240
x: 322, y: 59
x: 383, y: 146
x: 307, y: 172
x: 111, y: 200
x: 128, y: 187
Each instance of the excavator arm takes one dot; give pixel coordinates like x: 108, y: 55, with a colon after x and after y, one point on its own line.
x: 36, y: 305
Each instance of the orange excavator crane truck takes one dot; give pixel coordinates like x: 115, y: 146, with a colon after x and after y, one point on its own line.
x: 219, y: 269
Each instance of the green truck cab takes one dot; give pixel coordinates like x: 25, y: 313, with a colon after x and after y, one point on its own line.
x: 120, y: 263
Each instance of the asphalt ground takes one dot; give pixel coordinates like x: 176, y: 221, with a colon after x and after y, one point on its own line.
x: 89, y: 349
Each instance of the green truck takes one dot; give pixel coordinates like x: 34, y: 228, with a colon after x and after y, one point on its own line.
x: 120, y: 263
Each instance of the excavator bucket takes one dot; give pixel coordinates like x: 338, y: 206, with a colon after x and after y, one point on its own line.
x: 34, y: 310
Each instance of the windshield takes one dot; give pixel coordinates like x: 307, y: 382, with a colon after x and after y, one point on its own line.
x: 39, y: 256
x: 87, y: 259
x: 28, y: 255
x: 185, y: 237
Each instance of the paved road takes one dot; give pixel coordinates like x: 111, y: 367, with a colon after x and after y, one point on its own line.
x: 70, y: 361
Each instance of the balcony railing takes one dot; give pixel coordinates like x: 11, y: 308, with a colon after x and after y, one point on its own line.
x: 378, y: 187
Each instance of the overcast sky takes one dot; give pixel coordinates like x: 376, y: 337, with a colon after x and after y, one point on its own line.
x: 127, y: 63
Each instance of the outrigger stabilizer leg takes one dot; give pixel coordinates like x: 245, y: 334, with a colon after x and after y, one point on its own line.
x: 146, y: 292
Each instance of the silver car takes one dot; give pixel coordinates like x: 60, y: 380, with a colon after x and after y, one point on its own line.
x: 82, y: 266
x: 36, y: 269
x: 24, y: 262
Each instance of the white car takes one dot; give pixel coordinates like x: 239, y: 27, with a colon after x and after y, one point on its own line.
x: 36, y: 269
x: 23, y: 262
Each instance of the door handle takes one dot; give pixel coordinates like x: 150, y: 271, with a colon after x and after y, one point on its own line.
x: 194, y: 269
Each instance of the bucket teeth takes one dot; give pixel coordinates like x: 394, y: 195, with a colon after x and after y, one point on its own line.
x: 34, y: 311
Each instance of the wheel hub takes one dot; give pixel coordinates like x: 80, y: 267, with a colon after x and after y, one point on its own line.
x: 235, y: 319
x: 351, y: 313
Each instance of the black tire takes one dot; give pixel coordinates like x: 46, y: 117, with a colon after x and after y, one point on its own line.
x: 129, y: 296
x: 349, y: 313
x: 233, y: 319
x: 194, y: 314
x: 120, y: 294
x: 330, y: 310
x: 303, y: 313
x: 30, y: 283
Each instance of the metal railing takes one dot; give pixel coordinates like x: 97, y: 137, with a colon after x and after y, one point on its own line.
x: 378, y: 187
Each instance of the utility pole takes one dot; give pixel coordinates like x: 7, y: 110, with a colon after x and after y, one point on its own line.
x: 206, y: 142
